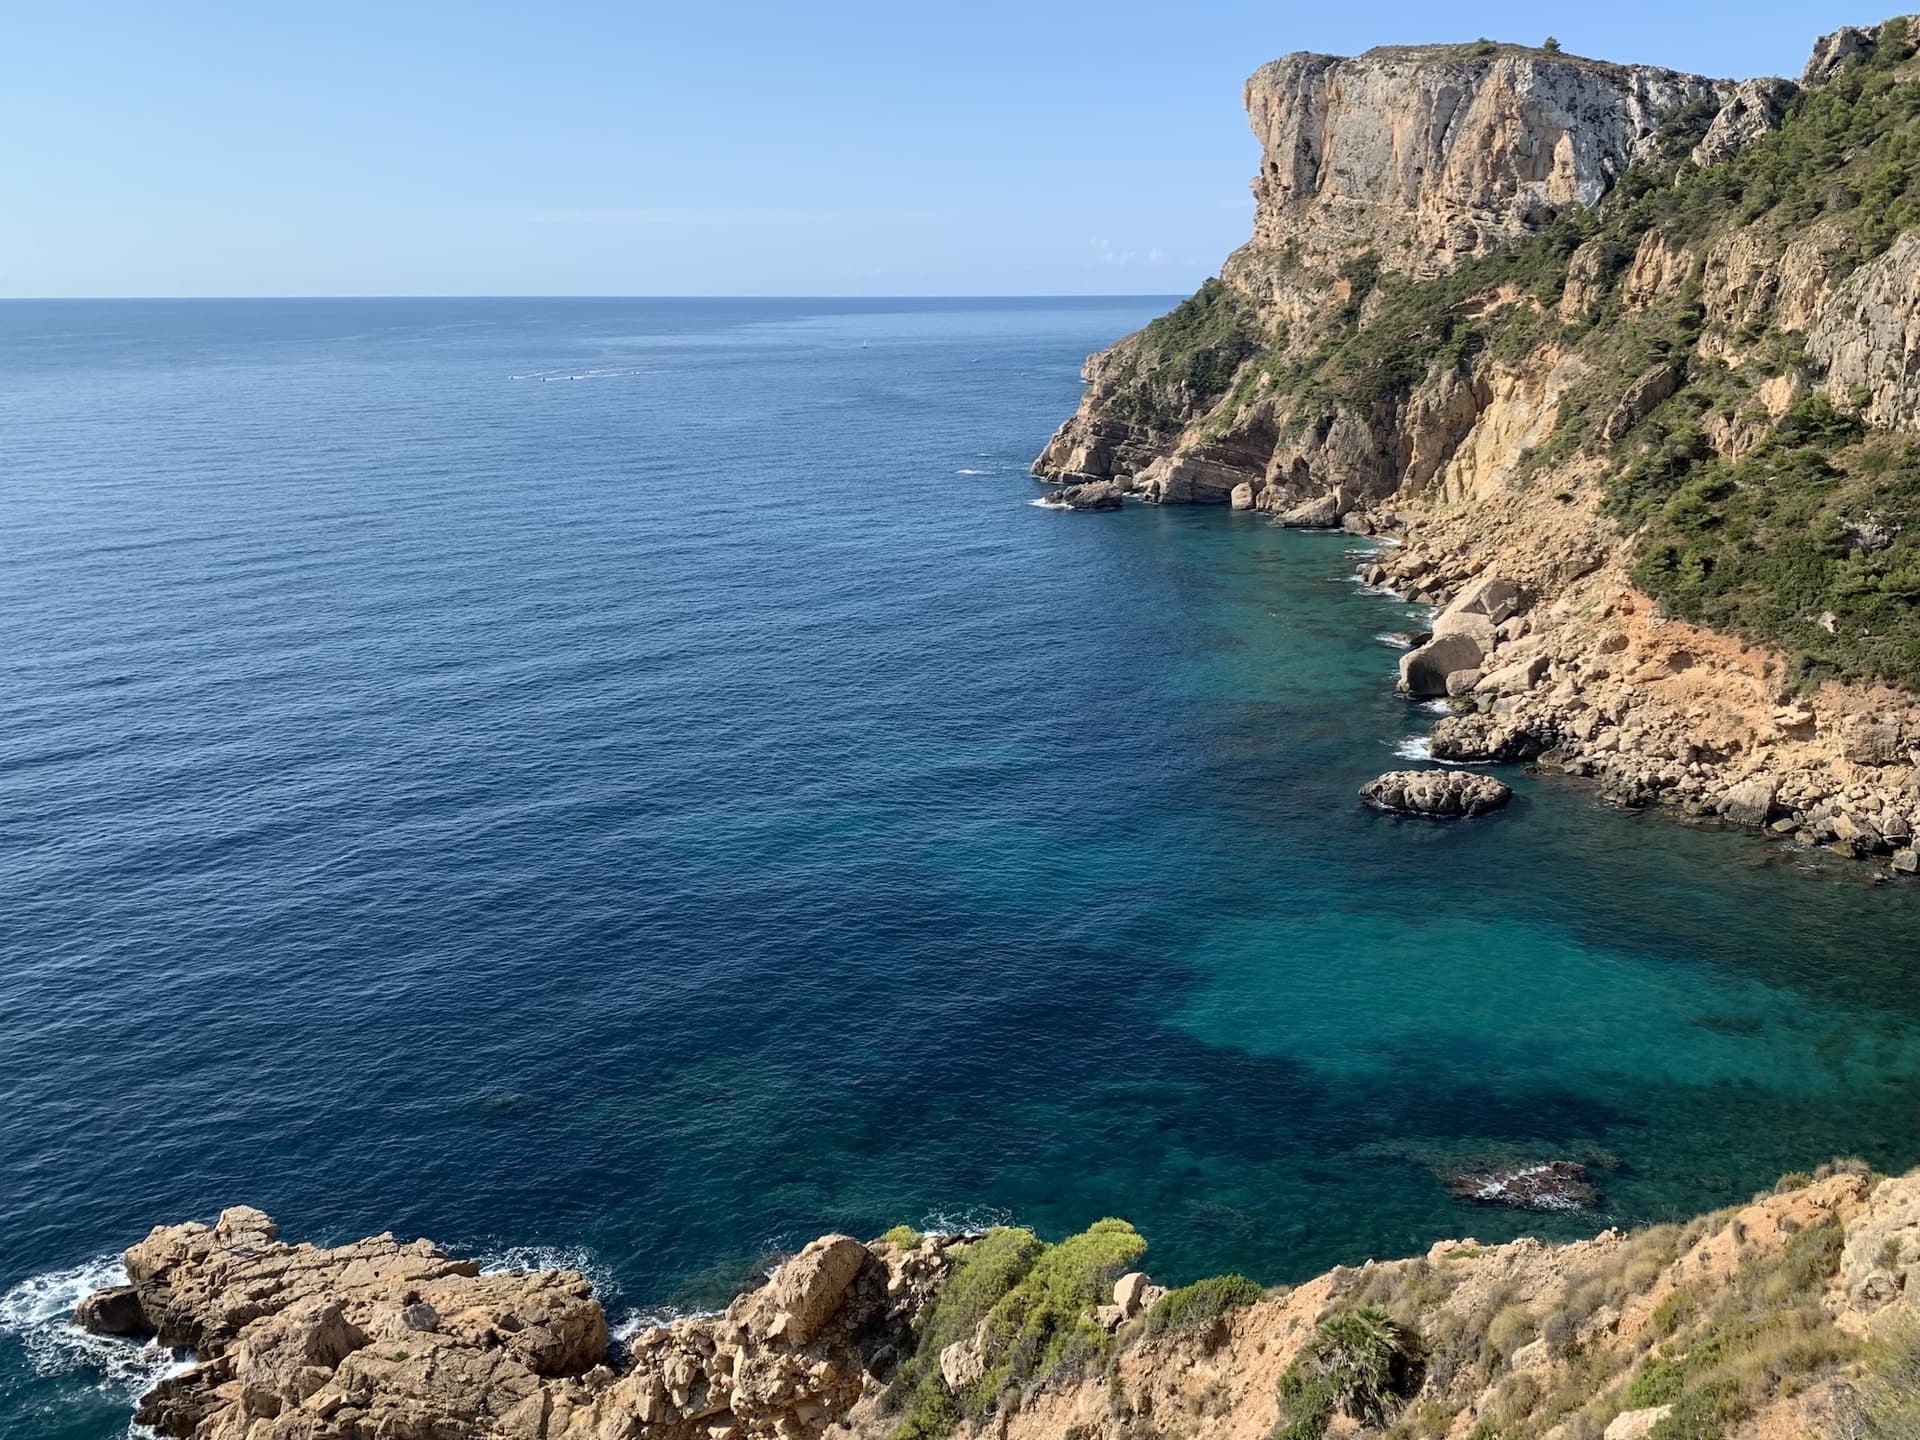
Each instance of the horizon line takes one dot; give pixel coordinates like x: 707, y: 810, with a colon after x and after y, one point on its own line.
x: 504, y: 295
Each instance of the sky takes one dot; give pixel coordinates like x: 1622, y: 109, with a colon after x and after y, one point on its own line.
x: 630, y: 147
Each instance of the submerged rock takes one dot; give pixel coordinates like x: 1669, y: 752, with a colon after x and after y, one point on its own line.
x: 1444, y: 793
x: 1555, y: 1185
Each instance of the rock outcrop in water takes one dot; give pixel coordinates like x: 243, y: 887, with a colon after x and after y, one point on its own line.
x: 1644, y: 345
x: 1794, y: 1315
x: 1440, y: 793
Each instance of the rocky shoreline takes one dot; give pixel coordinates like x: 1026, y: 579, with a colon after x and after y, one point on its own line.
x: 385, y: 1340
x: 1507, y: 342
x: 1587, y: 677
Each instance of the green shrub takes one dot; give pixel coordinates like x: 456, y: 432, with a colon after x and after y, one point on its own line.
x: 1029, y: 1302
x: 903, y: 1236
x: 1360, y: 1363
x: 1199, y: 1305
x: 1186, y: 359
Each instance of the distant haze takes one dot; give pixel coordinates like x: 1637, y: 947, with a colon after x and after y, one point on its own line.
x: 754, y: 148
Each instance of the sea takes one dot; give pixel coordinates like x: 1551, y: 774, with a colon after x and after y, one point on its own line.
x: 636, y: 784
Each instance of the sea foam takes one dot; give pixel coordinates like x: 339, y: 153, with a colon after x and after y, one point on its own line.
x: 37, y: 1313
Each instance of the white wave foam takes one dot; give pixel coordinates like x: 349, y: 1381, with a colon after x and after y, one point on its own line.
x: 1438, y: 707
x: 964, y: 471
x: 623, y: 1330
x: 1045, y: 504
x: 546, y: 1257
x: 38, y: 1314
x: 964, y: 1222
x: 1397, y: 641
x: 1414, y: 747
x: 1365, y: 589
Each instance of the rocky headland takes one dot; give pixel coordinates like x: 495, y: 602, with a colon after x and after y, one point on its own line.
x: 1628, y: 363
x: 1792, y: 1316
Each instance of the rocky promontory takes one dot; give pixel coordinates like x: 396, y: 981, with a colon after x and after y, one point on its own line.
x: 1628, y: 362
x: 386, y: 1339
x: 1787, y: 1316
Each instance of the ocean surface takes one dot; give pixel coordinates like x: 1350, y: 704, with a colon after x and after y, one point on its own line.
x: 638, y: 784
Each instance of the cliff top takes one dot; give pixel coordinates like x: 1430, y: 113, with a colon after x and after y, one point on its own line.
x: 1482, y: 51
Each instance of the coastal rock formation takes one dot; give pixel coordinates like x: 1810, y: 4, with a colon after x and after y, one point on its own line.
x: 1478, y: 143
x: 1527, y: 1338
x: 1442, y: 793
x: 1679, y: 415
x: 1093, y: 495
x: 381, y: 1338
x: 1553, y: 1185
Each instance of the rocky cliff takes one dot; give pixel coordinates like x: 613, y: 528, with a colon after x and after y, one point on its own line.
x: 1793, y: 1316
x: 1644, y: 344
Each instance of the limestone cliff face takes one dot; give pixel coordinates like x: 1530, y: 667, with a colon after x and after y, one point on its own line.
x: 1430, y: 154
x: 1406, y: 160
x: 1529, y: 315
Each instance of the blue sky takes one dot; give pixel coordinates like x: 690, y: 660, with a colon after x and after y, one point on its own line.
x: 702, y: 148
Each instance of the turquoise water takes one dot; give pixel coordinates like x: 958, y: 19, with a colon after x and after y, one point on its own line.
x: 656, y: 816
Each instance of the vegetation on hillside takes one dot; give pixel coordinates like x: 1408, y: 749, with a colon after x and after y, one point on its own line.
x: 1811, y: 539
x: 1184, y: 361
x: 1030, y: 1307
x: 1200, y: 1306
x: 1721, y: 1318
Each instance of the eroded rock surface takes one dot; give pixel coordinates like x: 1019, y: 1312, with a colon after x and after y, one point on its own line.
x: 1441, y: 793
x: 396, y: 1340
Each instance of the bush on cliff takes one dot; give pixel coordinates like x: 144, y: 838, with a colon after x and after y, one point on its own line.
x: 1812, y: 539
x: 1028, y: 1304
x: 1770, y: 1328
x: 1197, y: 1306
x: 1360, y: 1363
x: 1186, y: 359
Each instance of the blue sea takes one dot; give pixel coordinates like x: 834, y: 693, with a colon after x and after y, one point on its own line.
x: 638, y: 784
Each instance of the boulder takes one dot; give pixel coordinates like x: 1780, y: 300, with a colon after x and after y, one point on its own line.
x: 1476, y: 627
x: 1642, y: 396
x: 961, y: 1365
x: 1907, y: 862
x: 808, y: 1288
x: 1493, y: 596
x: 113, y: 1311
x: 1130, y: 1294
x: 1466, y: 739
x: 1749, y: 803
x: 1424, y: 670
x: 1514, y: 679
x: 1241, y: 497
x: 1873, y: 741
x: 1094, y: 495
x: 1440, y: 793
x: 1315, y: 514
